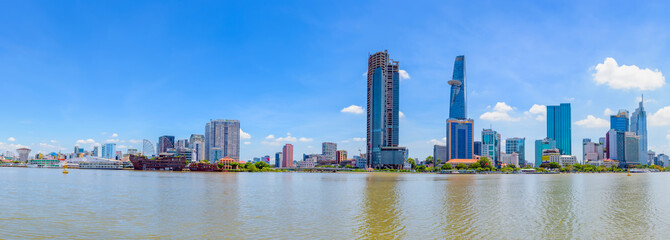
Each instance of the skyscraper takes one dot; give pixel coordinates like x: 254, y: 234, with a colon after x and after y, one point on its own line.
x: 439, y: 153
x: 540, y: 145
x: 619, y: 121
x: 616, y: 146
x: 457, y: 101
x: 459, y: 139
x: 109, y: 151
x: 328, y: 151
x: 517, y: 145
x: 182, y: 144
x: 278, y: 159
x: 287, y: 155
x: 165, y: 142
x: 491, y: 146
x: 197, y: 144
x: 382, y: 112
x: 632, y: 151
x: 559, y: 127
x: 222, y: 135
x: 638, y: 125
x: 459, y: 128
x: 477, y: 148
x: 95, y: 151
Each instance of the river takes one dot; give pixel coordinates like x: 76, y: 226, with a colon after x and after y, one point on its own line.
x: 126, y: 204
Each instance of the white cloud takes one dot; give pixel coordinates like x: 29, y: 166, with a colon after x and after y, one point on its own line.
x: 401, y: 115
x: 500, y: 113
x: 287, y: 139
x: 627, y: 77
x: 438, y: 142
x: 271, y: 140
x: 11, y: 139
x: 357, y: 139
x: 53, y: 141
x: 353, y: 109
x: 403, y: 74
x: 608, y: 112
x: 345, y: 141
x: 122, y: 146
x: 660, y: 117
x: 247, y: 143
x: 134, y: 141
x: 244, y: 135
x: 87, y: 141
x: 115, y: 135
x: 112, y: 140
x: 539, y: 111
x: 592, y: 122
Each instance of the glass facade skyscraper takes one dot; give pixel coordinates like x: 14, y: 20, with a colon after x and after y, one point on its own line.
x: 559, y: 127
x: 222, y: 139
x: 517, y: 145
x: 109, y: 151
x: 382, y: 112
x: 638, y: 125
x: 619, y: 121
x: 460, y: 129
x: 540, y: 145
x: 477, y: 148
x: 491, y: 146
x: 457, y: 99
x: 459, y: 139
x: 164, y: 143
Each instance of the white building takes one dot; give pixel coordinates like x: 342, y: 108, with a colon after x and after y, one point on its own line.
x: 510, y: 159
x: 307, y: 163
x: 563, y: 160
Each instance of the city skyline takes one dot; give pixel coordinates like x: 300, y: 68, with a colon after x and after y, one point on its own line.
x: 68, y: 100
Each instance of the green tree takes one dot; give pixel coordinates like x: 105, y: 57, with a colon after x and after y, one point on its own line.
x: 220, y: 165
x: 412, y: 162
x: 234, y: 165
x: 484, y: 162
x: 251, y: 167
x: 474, y: 165
x: 461, y: 166
x: 446, y: 166
x: 205, y: 161
x: 262, y: 165
x: 421, y: 168
x: 429, y: 160
x: 348, y: 166
x: 554, y: 165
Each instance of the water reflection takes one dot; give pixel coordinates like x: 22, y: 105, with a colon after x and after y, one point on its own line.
x: 380, y: 217
x: 458, y: 207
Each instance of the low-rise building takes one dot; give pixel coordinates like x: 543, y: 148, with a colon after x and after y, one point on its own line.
x: 563, y: 160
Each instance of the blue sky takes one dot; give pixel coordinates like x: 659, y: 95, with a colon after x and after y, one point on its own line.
x: 121, y: 71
